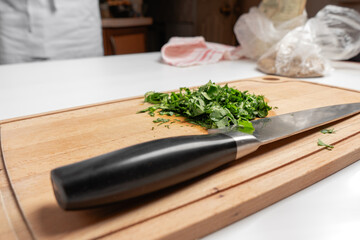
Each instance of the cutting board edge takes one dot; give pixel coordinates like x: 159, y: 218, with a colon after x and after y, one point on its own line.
x: 17, y: 226
x: 266, y: 78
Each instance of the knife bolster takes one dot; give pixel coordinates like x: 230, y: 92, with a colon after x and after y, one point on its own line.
x: 245, y: 143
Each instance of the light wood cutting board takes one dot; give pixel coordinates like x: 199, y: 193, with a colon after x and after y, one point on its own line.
x: 32, y: 146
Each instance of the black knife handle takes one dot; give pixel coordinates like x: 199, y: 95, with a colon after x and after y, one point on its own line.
x: 143, y: 168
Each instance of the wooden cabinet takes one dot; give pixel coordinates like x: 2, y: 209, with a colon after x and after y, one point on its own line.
x: 312, y: 7
x: 125, y: 35
x: 212, y: 19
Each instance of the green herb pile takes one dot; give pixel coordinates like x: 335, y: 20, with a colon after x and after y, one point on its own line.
x: 210, y: 106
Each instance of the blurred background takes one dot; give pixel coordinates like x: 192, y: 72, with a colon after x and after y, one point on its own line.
x: 162, y: 19
x: 38, y: 30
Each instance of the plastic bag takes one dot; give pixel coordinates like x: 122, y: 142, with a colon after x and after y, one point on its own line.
x: 256, y: 33
x: 334, y: 33
x: 337, y: 32
x: 296, y: 55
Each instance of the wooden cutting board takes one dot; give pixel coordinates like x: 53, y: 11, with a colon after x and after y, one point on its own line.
x: 32, y: 146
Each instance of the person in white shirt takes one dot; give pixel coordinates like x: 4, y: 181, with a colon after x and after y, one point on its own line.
x: 33, y: 30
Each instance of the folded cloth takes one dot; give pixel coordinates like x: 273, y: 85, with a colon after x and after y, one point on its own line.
x: 189, y: 51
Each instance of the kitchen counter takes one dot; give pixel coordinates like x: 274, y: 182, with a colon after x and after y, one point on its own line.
x: 326, y: 210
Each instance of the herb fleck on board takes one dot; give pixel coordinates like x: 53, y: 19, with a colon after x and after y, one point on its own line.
x: 322, y: 144
x: 328, y: 131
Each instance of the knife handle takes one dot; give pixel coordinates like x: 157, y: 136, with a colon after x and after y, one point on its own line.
x: 145, y: 167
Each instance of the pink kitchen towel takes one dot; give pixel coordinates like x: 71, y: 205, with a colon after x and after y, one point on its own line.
x: 189, y: 51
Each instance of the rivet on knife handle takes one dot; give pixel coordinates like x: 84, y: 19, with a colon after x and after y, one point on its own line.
x: 144, y: 168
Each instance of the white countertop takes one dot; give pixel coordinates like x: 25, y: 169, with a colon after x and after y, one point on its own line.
x: 329, y: 209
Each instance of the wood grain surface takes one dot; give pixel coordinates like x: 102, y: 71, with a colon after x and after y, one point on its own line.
x: 34, y: 145
x: 12, y: 224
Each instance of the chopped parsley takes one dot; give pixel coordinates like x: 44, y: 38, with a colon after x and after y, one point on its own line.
x: 210, y: 106
x: 328, y: 131
x: 322, y: 144
x: 161, y: 121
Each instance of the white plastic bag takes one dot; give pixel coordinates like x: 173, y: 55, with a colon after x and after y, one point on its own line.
x: 337, y: 32
x: 256, y: 33
x: 296, y: 55
x: 334, y: 33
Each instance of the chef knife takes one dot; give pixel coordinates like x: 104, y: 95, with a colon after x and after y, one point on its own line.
x: 154, y: 165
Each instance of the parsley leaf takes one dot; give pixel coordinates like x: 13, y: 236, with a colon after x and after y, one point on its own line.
x: 328, y: 131
x: 161, y: 121
x: 327, y: 146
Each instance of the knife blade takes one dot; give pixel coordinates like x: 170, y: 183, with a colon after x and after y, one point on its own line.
x: 147, y: 167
